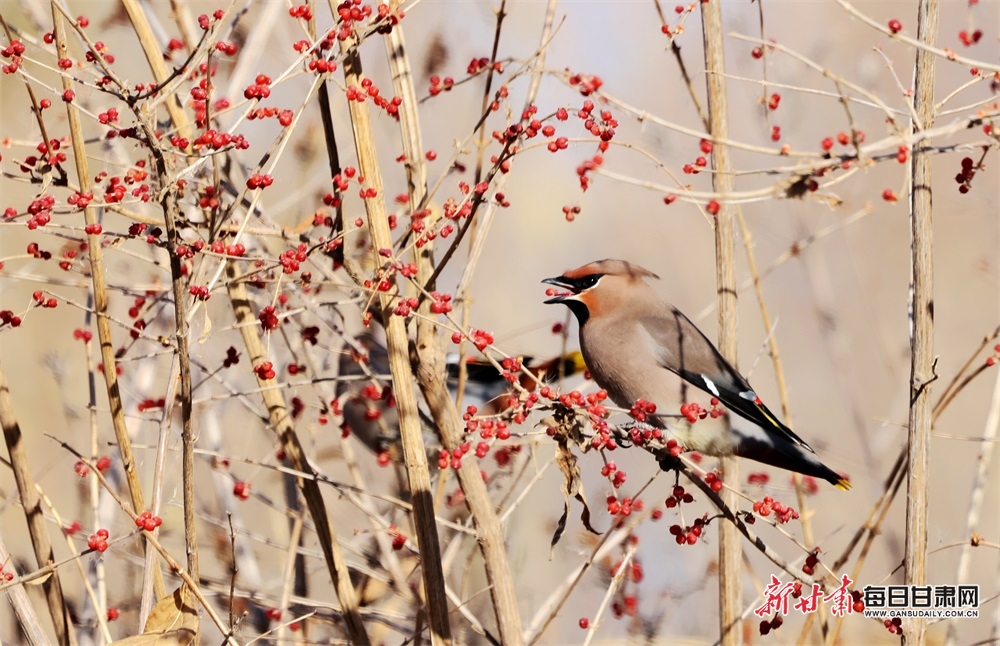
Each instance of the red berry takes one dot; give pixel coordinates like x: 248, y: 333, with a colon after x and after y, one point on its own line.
x: 895, y: 26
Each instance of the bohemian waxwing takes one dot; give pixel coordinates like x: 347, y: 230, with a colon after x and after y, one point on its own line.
x: 632, y: 338
x: 369, y: 406
x: 488, y: 390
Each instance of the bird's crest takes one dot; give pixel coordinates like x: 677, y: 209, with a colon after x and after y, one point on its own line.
x: 610, y: 267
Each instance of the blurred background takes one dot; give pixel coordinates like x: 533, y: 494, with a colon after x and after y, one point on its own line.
x: 839, y: 303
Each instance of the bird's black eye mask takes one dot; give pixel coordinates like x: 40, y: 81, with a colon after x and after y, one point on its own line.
x: 575, y: 285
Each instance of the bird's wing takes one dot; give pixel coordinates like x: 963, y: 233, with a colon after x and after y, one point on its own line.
x: 682, y: 348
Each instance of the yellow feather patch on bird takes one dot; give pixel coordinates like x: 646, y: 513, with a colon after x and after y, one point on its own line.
x: 763, y: 411
x: 843, y: 484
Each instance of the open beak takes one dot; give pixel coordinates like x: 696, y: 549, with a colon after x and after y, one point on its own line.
x: 560, y: 282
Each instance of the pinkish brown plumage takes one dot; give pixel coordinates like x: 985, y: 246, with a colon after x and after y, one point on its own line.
x: 632, y: 339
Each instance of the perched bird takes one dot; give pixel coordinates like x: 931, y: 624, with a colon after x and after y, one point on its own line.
x: 369, y: 406
x: 488, y: 390
x: 632, y: 339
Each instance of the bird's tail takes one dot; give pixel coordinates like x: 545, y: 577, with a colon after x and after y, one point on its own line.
x: 781, y: 453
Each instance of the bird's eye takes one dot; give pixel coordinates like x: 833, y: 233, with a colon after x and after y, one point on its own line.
x: 589, y: 281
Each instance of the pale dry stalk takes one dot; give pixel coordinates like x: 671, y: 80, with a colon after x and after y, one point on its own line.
x: 730, y: 546
x: 921, y: 319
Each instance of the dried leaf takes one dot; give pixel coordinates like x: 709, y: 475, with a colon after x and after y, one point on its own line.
x: 572, y: 486
x: 40, y: 580
x: 208, y: 327
x: 172, y: 622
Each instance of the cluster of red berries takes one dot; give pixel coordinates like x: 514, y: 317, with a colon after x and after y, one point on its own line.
x: 151, y: 404
x: 268, y: 319
x: 511, y: 368
x: 40, y: 211
x: 453, y: 458
x: 439, y: 85
x: 808, y: 483
x: 12, y: 51
x: 200, y: 292
x: 398, y: 538
x: 689, y: 535
x: 678, y: 496
x: 641, y: 409
x: 586, y: 84
x: 290, y: 260
x: 505, y: 454
x: 625, y: 507
x: 285, y: 117
x: 674, y: 448
x: 214, y: 140
x: 264, y: 371
x: 205, y: 22
x: 628, y: 605
x: 259, y: 89
x: 774, y: 624
x: 611, y: 471
x: 695, y: 168
x: 603, y: 129
x: 441, y: 303
x: 41, y: 301
x: 232, y: 357
x: 137, y: 328
x: 98, y: 540
x: 969, y: 39
x: 693, y: 411
x: 782, y: 513
x: 990, y: 361
x: 964, y: 178
x: 487, y: 427
x: 714, y: 480
x: 80, y: 200
x: 35, y: 251
x: 219, y: 247
x: 370, y: 90
x: 115, y: 192
x: 69, y: 255
x: 148, y: 521
x: 481, y: 339
x: 257, y: 180
x: 894, y: 625
x: 405, y: 307
x: 812, y: 560
x: 241, y: 489
x: 7, y: 317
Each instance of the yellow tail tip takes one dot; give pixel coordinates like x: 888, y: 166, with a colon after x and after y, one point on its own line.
x: 843, y: 484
